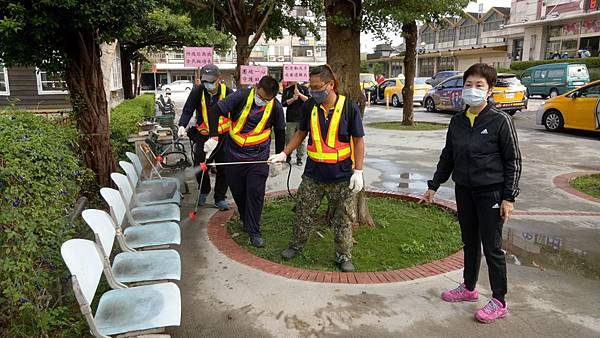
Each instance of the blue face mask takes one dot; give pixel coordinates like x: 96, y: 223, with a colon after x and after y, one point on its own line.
x: 319, y: 96
x: 474, y: 97
x: 210, y: 86
x: 258, y: 101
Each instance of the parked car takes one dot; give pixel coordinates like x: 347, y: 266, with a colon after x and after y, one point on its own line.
x: 178, y: 86
x: 390, y: 89
x: 420, y: 89
x: 438, y: 77
x: 508, y: 95
x: 554, y: 79
x: 577, y: 109
x: 446, y: 96
x: 367, y: 80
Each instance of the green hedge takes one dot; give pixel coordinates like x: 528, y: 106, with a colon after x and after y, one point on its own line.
x: 124, y: 119
x: 41, y: 177
x: 522, y: 65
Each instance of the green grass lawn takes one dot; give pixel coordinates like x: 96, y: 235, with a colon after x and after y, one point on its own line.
x: 397, y: 125
x: 588, y: 184
x: 408, y: 234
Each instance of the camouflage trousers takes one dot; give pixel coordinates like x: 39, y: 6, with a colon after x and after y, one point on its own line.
x: 308, y: 199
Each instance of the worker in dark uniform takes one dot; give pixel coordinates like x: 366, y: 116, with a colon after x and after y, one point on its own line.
x: 293, y: 98
x: 210, y: 91
x: 254, y: 114
x: 482, y: 155
x: 334, y: 168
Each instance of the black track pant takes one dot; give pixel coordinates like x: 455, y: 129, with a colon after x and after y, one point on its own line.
x: 220, y: 180
x: 481, y: 224
x: 247, y: 184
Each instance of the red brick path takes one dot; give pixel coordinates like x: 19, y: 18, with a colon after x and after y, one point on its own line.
x: 220, y: 238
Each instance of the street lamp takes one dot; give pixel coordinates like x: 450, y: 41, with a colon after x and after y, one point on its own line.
x: 420, y: 50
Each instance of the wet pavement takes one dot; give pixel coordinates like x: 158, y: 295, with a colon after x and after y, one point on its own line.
x: 554, y: 260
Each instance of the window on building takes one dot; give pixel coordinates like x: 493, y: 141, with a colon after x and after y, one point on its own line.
x: 446, y: 63
x: 50, y: 83
x: 117, y: 77
x: 4, y: 89
x: 517, y: 53
x: 468, y: 30
x: 493, y: 23
x: 426, y: 66
x: 555, y: 31
x: 447, y: 34
x: 300, y: 51
x: 428, y: 36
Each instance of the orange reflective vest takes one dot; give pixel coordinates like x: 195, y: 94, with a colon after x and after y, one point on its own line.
x: 332, y: 150
x: 224, y: 122
x: 259, y: 134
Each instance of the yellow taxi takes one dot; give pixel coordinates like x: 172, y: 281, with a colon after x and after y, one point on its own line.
x: 367, y: 80
x: 421, y: 88
x: 509, y: 94
x: 577, y: 109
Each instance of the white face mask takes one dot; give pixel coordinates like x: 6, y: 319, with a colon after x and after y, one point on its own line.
x: 258, y: 101
x: 474, y: 97
x: 210, y: 86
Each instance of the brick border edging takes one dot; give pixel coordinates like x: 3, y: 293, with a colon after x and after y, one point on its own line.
x: 218, y: 235
x: 563, y: 182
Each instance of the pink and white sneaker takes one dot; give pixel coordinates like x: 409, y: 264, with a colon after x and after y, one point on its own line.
x: 460, y: 294
x: 491, y: 311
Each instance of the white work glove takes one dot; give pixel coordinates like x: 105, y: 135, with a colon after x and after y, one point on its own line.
x: 278, y: 158
x: 181, y: 132
x: 356, y: 181
x: 209, y: 146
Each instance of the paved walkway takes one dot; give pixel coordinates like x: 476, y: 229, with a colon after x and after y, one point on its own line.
x: 554, y: 277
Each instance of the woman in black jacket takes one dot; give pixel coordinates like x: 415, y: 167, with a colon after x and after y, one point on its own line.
x: 482, y: 155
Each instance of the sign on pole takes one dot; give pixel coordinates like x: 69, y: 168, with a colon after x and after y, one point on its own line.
x: 252, y: 74
x: 197, y: 56
x: 295, y: 72
x: 154, y: 68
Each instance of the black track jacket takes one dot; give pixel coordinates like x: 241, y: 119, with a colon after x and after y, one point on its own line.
x: 481, y: 156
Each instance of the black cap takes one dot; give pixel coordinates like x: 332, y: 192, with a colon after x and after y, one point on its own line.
x: 210, y: 73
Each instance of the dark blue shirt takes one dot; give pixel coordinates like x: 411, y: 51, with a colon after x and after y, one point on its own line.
x: 234, y: 104
x: 350, y: 125
x: 193, y: 104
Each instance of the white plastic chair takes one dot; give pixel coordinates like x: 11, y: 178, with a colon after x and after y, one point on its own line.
x: 169, y: 184
x: 140, y: 310
x: 142, y: 214
x: 136, y: 236
x: 146, y: 197
x: 131, y: 267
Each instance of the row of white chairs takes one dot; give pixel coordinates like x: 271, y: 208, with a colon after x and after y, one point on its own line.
x: 144, y: 219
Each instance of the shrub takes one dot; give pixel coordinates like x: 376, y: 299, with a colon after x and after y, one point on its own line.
x: 124, y: 119
x: 522, y: 65
x: 40, y: 179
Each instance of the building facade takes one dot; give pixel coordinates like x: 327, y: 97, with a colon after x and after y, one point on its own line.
x: 36, y: 90
x: 270, y: 53
x: 538, y: 29
x: 458, y: 42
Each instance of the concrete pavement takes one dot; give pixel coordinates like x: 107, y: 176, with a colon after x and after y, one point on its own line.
x: 554, y: 275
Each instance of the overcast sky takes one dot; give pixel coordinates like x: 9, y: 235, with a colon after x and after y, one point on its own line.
x: 368, y: 41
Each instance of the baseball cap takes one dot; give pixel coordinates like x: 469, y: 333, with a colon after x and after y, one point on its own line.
x: 210, y: 73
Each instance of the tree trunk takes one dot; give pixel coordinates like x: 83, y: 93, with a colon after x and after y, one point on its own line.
x: 409, y: 32
x: 90, y: 108
x: 242, y: 51
x: 343, y: 48
x: 343, y: 55
x: 128, y: 90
